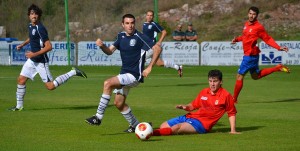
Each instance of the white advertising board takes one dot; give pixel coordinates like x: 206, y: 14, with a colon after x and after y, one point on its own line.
x: 221, y: 53
x: 4, y: 53
x: 271, y: 56
x: 90, y: 54
x: 57, y: 56
x: 182, y: 53
x: 186, y: 53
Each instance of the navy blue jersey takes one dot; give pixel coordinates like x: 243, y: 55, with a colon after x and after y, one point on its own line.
x: 150, y: 28
x: 38, y: 36
x: 133, y: 49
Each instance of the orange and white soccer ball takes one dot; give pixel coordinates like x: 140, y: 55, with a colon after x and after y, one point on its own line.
x: 143, y: 131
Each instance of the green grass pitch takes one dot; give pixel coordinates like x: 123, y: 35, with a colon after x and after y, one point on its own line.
x: 268, y: 112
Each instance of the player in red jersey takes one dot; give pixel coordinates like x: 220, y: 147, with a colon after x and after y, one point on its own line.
x: 211, y: 104
x: 251, y: 32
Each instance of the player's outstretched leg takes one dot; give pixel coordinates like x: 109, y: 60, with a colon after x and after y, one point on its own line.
x: 169, y: 64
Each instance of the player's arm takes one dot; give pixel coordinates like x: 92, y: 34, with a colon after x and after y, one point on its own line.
x: 162, y: 37
x: 232, y: 121
x: 156, y: 52
x: 236, y: 39
x: 107, y: 50
x: 23, y: 44
x: 195, y: 37
x: 47, y: 48
x: 188, y: 107
x: 270, y: 41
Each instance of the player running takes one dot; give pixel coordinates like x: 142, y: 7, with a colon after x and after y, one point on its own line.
x: 151, y: 29
x: 132, y: 46
x: 37, y: 61
x: 251, y: 32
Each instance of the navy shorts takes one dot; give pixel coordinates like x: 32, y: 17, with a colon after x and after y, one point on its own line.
x: 194, y: 122
x: 249, y: 63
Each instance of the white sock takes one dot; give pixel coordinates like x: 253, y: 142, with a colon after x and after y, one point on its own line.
x: 63, y: 78
x: 104, y: 100
x: 128, y: 115
x: 169, y: 64
x: 21, y: 91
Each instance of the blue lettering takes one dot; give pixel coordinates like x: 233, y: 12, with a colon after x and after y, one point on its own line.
x: 63, y: 46
x: 91, y: 46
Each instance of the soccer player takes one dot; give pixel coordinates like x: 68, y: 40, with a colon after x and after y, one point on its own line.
x: 251, y: 32
x: 132, y: 46
x: 150, y: 29
x: 37, y: 61
x: 204, y: 111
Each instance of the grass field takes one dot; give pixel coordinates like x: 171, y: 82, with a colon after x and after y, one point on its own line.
x: 268, y: 112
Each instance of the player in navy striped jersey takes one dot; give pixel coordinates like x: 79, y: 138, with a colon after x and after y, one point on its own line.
x: 37, y: 61
x: 132, y: 46
x: 151, y: 29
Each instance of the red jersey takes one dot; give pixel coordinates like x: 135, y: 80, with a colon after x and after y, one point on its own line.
x: 212, y: 107
x: 251, y: 32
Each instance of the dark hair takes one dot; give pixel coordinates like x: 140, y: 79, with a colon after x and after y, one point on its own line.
x: 215, y: 73
x: 255, y: 9
x: 36, y: 9
x: 127, y: 16
x: 150, y: 11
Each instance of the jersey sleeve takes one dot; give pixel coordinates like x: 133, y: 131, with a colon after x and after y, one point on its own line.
x: 197, y: 101
x: 117, y: 42
x: 158, y: 27
x: 267, y: 38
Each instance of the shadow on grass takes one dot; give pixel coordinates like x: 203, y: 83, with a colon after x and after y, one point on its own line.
x: 280, y: 101
x: 239, y: 129
x: 179, y: 85
x: 69, y: 108
x: 152, y: 139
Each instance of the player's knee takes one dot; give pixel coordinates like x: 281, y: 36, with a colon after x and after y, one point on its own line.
x: 107, y: 84
x: 50, y: 86
x: 21, y: 80
x: 164, y: 125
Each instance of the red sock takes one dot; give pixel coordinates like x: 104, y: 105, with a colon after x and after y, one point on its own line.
x: 267, y: 71
x: 162, y: 131
x: 237, y: 89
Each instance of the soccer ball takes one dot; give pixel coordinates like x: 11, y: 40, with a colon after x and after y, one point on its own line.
x: 143, y: 131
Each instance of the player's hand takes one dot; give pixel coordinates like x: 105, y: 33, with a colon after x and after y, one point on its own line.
x: 19, y: 47
x: 286, y: 49
x: 183, y: 107
x: 99, y: 42
x: 233, y: 41
x: 29, y: 54
x: 147, y: 71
